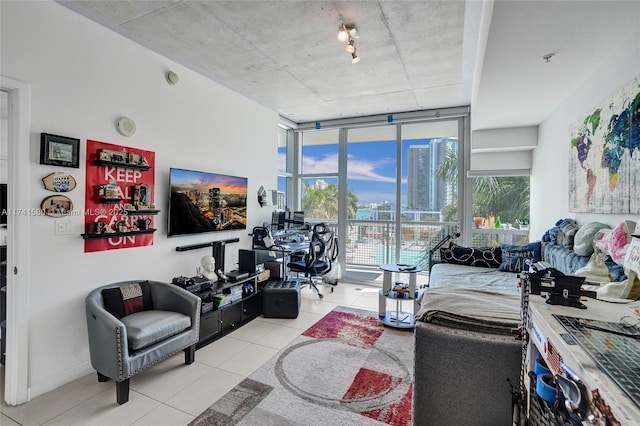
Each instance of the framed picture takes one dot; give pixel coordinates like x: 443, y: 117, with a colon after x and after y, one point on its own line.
x: 59, y: 150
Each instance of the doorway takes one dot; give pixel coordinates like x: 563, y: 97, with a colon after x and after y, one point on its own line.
x: 16, y: 166
x: 4, y: 116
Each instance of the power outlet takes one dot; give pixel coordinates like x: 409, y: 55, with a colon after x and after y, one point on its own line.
x: 63, y: 227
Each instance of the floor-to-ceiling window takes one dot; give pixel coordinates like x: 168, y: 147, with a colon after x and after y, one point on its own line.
x: 500, y: 207
x: 372, y: 182
x: 430, y: 210
x: 318, y: 175
x: 285, y: 168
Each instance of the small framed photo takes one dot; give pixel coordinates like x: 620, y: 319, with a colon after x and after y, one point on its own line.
x: 59, y: 150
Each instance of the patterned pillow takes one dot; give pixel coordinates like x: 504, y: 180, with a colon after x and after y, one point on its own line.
x: 566, y: 234
x: 484, y: 257
x: 127, y: 299
x: 620, y: 239
x: 601, y: 243
x: 514, y: 257
x: 552, y: 233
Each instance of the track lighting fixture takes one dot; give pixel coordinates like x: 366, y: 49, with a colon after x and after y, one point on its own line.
x: 349, y: 33
x: 548, y: 56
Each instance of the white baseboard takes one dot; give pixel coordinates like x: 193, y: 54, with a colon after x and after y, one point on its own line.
x: 58, y: 380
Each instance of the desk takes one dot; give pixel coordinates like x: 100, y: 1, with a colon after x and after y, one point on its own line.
x: 397, y: 318
x: 546, y: 339
x: 283, y: 250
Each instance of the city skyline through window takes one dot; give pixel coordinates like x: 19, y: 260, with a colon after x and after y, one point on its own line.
x: 371, y: 171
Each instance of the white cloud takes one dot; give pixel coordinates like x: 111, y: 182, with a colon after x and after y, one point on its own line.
x: 356, y: 169
x: 326, y: 164
x: 366, y: 170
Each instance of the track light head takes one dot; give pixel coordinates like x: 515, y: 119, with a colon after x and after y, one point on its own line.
x: 354, y: 58
x: 350, y: 47
x: 343, y: 34
x: 347, y: 32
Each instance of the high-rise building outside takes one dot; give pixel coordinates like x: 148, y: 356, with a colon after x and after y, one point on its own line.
x: 424, y: 190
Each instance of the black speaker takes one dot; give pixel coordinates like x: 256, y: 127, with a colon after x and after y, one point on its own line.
x: 247, y: 260
x: 218, y: 254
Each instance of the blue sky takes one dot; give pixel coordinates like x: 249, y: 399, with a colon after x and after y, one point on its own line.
x: 371, y: 169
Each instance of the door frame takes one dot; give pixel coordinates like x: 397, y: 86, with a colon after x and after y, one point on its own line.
x: 18, y: 242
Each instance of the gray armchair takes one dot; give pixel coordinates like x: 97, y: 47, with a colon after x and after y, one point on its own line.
x: 122, y: 347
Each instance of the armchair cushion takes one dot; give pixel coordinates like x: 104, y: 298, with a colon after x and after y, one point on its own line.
x: 127, y: 299
x: 147, y: 327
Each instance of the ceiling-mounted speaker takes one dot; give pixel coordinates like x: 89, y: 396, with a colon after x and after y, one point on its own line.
x: 126, y: 126
x: 172, y: 78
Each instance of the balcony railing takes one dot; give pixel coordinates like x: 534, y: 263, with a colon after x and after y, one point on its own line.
x: 372, y: 243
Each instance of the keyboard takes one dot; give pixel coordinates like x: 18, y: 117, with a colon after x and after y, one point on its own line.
x: 616, y: 355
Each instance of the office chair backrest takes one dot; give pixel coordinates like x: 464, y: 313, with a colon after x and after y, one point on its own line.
x: 316, y: 250
x: 261, y: 237
x: 321, y: 232
x: 315, y: 263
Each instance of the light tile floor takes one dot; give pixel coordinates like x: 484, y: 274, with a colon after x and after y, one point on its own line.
x: 172, y: 393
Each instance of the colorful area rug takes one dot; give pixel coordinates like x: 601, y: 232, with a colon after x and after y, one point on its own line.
x: 347, y: 369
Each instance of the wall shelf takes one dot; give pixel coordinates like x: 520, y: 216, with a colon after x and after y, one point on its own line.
x: 116, y: 234
x: 106, y: 200
x: 141, y: 212
x: 123, y: 165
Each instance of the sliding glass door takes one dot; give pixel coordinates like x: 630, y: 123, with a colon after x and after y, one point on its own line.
x: 372, y: 191
x: 430, y: 208
x: 390, y: 189
x: 404, y: 179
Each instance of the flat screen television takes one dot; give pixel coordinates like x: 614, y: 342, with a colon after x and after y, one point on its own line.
x: 205, y: 202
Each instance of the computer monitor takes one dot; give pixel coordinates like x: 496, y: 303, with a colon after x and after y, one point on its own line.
x: 296, y: 220
x: 278, y: 219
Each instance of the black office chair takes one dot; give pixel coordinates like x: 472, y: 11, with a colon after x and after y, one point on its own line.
x: 315, y: 263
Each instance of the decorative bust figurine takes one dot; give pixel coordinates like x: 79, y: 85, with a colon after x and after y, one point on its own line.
x: 209, y: 268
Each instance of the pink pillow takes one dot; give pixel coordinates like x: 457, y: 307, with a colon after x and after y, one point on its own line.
x: 620, y: 239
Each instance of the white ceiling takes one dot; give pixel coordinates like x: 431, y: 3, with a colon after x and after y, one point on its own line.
x: 415, y: 55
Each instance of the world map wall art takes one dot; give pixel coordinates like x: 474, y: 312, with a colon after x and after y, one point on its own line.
x: 604, y: 157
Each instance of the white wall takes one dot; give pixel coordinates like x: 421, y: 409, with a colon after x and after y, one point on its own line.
x: 82, y: 78
x: 507, y: 139
x: 500, y: 161
x: 4, y: 135
x: 549, y: 178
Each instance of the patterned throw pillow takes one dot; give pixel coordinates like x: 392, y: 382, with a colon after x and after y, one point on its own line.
x: 620, y: 239
x: 514, y: 258
x: 566, y: 234
x: 484, y: 257
x: 601, y: 243
x: 127, y: 299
